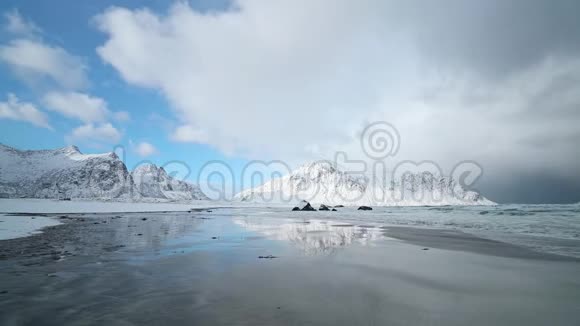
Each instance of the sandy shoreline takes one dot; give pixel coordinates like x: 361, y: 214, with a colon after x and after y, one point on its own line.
x: 15, y: 226
x: 459, y: 241
x: 204, y: 268
x: 51, y: 206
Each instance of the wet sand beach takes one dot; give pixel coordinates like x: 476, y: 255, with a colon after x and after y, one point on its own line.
x: 253, y: 267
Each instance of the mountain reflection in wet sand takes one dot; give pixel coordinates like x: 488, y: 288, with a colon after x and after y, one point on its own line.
x: 313, y: 236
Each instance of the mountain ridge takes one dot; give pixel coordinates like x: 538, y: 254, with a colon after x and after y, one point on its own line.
x: 68, y: 173
x: 321, y: 182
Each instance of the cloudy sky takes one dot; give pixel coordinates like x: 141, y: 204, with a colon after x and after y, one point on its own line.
x: 496, y: 82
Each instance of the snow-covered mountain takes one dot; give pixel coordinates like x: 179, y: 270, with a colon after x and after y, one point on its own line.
x: 154, y: 182
x: 67, y: 173
x: 322, y: 183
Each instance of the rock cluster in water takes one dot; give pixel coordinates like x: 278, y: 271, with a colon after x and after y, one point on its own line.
x: 305, y: 206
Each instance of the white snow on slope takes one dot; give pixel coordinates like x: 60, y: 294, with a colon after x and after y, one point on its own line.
x: 151, y: 181
x: 62, y: 173
x: 67, y: 173
x: 322, y: 183
x: 12, y: 227
x: 51, y: 206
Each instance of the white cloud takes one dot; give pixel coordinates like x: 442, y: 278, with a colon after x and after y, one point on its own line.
x: 101, y: 133
x: 296, y: 75
x: 278, y: 79
x: 16, y: 24
x: 83, y: 107
x: 189, y: 134
x: 77, y: 105
x: 145, y: 149
x: 121, y: 116
x: 32, y: 60
x: 13, y: 109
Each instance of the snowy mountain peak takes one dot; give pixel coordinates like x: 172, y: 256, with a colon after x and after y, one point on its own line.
x: 153, y: 181
x: 147, y: 168
x: 62, y: 172
x: 67, y: 173
x: 321, y: 182
x: 325, y: 173
x: 69, y: 150
x: 317, y: 167
x: 4, y: 147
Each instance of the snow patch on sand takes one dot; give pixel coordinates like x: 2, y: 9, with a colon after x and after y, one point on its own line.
x: 51, y: 206
x: 12, y: 227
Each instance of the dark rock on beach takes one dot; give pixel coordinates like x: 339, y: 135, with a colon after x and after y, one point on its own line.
x: 304, y: 206
x: 323, y: 208
x: 365, y: 208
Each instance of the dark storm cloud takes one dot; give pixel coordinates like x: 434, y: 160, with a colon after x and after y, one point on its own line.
x: 531, y: 187
x: 498, y: 41
x: 496, y: 37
